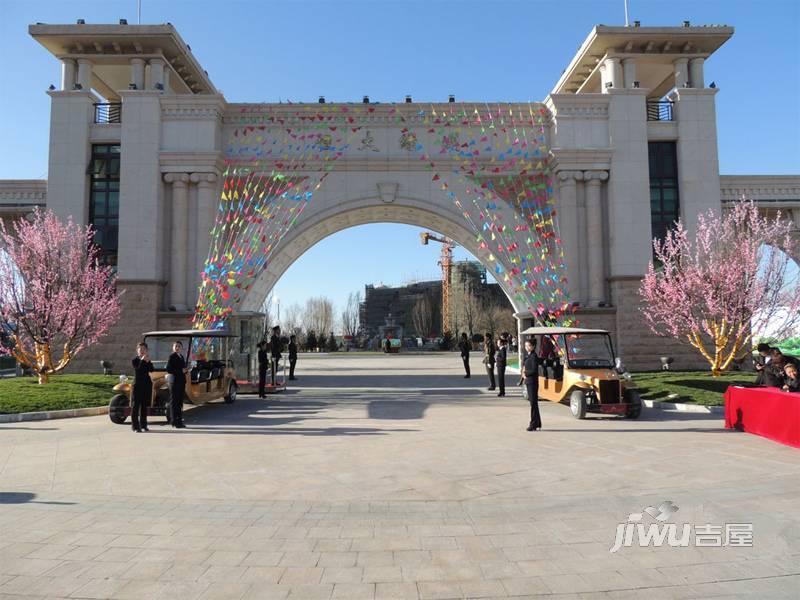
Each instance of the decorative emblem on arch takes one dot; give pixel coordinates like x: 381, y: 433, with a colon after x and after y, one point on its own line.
x: 408, y: 141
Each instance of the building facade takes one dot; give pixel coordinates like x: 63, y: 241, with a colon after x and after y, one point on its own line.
x: 137, y: 148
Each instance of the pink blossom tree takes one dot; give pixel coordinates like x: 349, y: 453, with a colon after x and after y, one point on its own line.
x: 726, y: 287
x: 55, y: 297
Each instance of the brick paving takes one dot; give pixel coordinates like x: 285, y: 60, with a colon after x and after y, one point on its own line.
x: 388, y: 477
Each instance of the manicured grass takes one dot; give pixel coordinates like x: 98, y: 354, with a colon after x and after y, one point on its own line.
x: 24, y: 394
x: 696, y: 387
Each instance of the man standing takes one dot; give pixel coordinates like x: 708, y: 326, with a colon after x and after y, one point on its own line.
x: 530, y: 376
x: 292, y: 356
x: 500, y: 359
x: 176, y: 379
x: 263, y: 360
x: 488, y: 358
x: 464, y: 345
x: 142, y: 388
x: 275, y: 343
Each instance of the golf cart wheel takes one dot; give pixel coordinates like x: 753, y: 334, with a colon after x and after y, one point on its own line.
x: 577, y: 404
x: 116, y: 409
x: 635, y: 408
x: 231, y: 397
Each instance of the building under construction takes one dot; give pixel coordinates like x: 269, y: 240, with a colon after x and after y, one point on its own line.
x: 395, y: 304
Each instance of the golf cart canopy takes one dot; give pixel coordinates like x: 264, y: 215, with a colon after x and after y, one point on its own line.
x: 561, y: 331
x: 201, y: 333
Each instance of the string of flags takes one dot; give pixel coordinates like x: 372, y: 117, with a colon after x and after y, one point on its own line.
x: 491, y: 162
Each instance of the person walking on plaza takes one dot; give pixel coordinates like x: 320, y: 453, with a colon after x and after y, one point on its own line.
x: 530, y: 377
x: 464, y: 346
x: 292, y: 356
x: 176, y: 379
x: 500, y: 357
x: 488, y: 358
x: 263, y: 363
x: 277, y: 346
x: 142, y: 388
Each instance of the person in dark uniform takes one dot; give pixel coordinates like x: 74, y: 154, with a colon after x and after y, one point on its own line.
x: 292, y: 356
x: 488, y: 358
x: 275, y: 343
x: 530, y: 377
x: 176, y: 379
x: 464, y: 346
x: 263, y: 363
x: 761, y: 362
x: 142, y: 388
x: 500, y: 357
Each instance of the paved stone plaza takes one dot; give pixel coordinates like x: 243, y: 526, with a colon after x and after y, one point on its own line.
x: 389, y: 477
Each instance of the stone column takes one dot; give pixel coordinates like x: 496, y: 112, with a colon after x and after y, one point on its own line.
x: 68, y: 79
x: 156, y: 72
x: 206, y: 188
x: 594, y: 236
x: 85, y: 73
x: 614, y: 72
x: 569, y: 230
x: 681, y: 72
x: 179, y: 238
x: 628, y: 71
x: 696, y: 78
x: 137, y: 73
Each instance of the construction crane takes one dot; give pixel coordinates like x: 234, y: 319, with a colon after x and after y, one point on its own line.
x: 446, y: 262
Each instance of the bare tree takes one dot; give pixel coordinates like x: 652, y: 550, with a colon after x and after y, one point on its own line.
x: 318, y: 314
x: 472, y: 309
x: 292, y: 319
x: 498, y: 318
x: 350, y: 315
x: 422, y: 315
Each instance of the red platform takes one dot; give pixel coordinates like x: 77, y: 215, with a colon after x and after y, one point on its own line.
x: 768, y: 412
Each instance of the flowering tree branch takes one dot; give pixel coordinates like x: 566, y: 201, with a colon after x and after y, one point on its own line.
x: 725, y: 287
x: 54, y: 294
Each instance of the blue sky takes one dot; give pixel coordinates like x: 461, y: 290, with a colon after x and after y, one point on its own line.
x: 476, y: 49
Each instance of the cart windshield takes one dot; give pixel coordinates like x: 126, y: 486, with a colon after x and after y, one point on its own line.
x: 590, y: 351
x: 161, y: 347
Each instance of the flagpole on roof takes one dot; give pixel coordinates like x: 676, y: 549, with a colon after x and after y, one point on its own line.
x: 626, y: 12
x: 139, y: 13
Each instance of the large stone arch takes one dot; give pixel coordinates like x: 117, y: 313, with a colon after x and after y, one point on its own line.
x: 340, y: 215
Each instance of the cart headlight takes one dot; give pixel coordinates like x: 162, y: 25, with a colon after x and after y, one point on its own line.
x: 123, y: 379
x: 627, y: 376
x: 584, y: 377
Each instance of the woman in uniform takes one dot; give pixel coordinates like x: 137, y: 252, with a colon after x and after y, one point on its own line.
x: 142, y: 388
x: 530, y: 376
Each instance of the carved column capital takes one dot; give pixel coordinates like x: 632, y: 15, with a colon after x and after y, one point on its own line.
x: 203, y: 179
x: 595, y: 177
x: 177, y: 179
x: 569, y: 177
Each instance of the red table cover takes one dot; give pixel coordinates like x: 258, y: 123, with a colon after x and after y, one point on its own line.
x: 768, y: 412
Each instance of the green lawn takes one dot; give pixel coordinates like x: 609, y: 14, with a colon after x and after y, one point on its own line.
x: 24, y: 394
x: 697, y: 387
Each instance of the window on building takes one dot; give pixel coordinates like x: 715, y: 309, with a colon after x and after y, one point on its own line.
x: 104, y: 200
x: 664, y: 199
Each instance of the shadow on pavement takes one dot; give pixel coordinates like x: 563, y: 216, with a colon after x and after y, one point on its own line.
x: 308, y: 431
x: 392, y: 409
x: 26, y: 498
